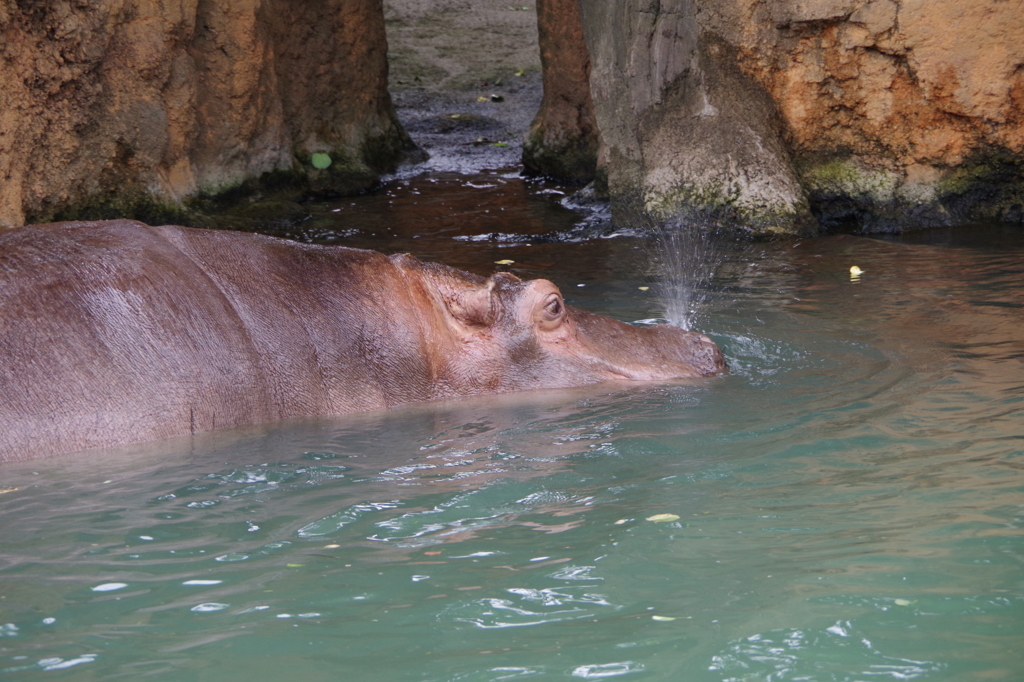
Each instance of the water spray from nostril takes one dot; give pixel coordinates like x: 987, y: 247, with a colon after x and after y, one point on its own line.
x: 686, y: 253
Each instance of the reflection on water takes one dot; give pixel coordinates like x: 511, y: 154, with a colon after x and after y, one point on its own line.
x: 850, y: 497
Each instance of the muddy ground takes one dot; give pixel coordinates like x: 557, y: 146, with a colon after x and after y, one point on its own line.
x: 465, y: 78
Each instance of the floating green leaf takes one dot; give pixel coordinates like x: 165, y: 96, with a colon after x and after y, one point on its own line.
x: 321, y: 160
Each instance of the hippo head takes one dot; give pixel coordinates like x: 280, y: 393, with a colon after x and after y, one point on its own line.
x: 512, y: 335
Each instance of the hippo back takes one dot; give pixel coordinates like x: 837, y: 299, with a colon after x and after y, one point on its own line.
x: 117, y: 332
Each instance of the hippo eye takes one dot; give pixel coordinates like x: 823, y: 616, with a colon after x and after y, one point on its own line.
x: 552, y: 311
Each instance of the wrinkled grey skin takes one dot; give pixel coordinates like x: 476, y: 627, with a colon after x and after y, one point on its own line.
x: 116, y: 332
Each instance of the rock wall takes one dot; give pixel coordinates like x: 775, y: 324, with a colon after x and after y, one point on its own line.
x: 131, y: 107
x: 878, y: 115
x: 898, y: 113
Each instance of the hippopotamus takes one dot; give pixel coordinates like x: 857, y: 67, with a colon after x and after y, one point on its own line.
x: 116, y: 332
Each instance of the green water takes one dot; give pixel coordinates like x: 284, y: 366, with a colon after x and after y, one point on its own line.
x: 850, y: 499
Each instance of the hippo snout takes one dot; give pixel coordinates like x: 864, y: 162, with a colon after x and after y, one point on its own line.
x: 694, y: 353
x: 707, y: 356
x: 647, y: 353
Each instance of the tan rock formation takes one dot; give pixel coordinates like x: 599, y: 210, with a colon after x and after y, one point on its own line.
x: 878, y: 114
x: 129, y: 107
x: 898, y: 113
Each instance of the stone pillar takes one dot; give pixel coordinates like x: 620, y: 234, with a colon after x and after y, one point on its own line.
x: 332, y: 65
x: 563, y: 139
x: 688, y: 134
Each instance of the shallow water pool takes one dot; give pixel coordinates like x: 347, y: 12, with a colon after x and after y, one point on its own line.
x: 847, y: 504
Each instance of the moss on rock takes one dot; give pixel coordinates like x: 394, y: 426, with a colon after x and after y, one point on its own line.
x: 848, y: 194
x: 727, y: 206
x: 133, y: 203
x: 989, y: 185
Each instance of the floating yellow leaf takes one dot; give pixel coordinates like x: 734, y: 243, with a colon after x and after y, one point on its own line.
x: 902, y: 602
x: 643, y: 288
x: 663, y: 618
x: 296, y: 565
x: 855, y: 272
x: 7, y: 490
x: 663, y: 518
x: 331, y: 546
x: 520, y: 72
x: 621, y: 521
x: 482, y: 99
x: 504, y: 262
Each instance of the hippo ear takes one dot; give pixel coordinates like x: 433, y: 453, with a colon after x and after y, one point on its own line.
x: 473, y: 307
x: 480, y: 306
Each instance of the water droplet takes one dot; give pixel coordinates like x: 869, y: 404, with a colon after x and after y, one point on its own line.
x: 234, y: 556
x: 607, y: 670
x: 109, y: 587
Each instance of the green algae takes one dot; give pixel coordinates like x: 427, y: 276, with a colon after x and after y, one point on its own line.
x: 726, y: 206
x: 133, y: 204
x: 269, y: 199
x: 845, y: 177
x: 988, y: 185
x: 848, y: 194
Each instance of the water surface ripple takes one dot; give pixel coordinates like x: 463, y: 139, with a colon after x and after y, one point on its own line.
x: 849, y: 501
